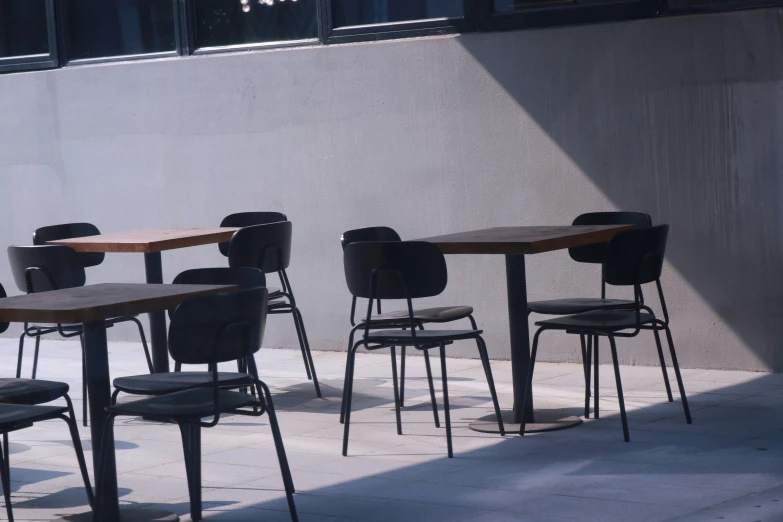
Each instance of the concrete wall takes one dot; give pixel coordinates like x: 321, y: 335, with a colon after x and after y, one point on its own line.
x: 678, y: 117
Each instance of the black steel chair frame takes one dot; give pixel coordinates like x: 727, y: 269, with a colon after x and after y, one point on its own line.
x: 653, y: 323
x: 441, y: 344
x: 190, y: 428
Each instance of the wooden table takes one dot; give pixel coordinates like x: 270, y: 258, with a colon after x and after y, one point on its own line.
x: 515, y: 243
x: 151, y: 243
x: 92, y: 305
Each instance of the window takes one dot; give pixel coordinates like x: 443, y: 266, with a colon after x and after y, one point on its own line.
x: 106, y: 28
x: 371, y: 19
x: 26, y: 34
x: 222, y: 23
x: 514, y: 14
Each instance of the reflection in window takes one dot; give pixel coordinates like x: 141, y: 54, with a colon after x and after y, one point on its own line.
x: 23, y: 28
x: 101, y: 28
x: 365, y: 12
x: 222, y: 22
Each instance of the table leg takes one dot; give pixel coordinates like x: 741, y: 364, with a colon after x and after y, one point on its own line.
x: 160, y: 353
x: 519, y: 333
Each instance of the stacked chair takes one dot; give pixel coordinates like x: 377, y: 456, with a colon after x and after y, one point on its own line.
x: 632, y: 258
x: 403, y: 271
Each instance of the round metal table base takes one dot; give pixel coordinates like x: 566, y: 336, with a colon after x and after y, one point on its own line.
x: 127, y: 515
x: 544, y: 421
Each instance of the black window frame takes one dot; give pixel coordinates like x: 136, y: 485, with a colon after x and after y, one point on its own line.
x: 395, y: 30
x: 188, y: 20
x: 566, y: 14
x: 62, y: 38
x: 35, y: 62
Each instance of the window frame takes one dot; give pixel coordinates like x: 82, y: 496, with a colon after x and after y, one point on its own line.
x: 395, y: 30
x: 62, y: 37
x: 189, y: 35
x: 564, y: 15
x: 34, y: 62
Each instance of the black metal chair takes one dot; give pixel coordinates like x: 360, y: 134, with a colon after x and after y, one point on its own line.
x: 170, y: 382
x: 52, y: 267
x: 249, y: 219
x: 395, y: 270
x: 268, y: 248
x: 210, y: 330
x: 399, y: 319
x: 67, y: 231
x: 632, y: 258
x: 594, y: 254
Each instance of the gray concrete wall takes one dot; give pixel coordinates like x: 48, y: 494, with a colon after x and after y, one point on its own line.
x: 678, y: 117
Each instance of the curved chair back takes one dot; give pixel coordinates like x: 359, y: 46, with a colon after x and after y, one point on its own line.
x: 369, y: 234
x: 635, y: 257
x: 595, y: 253
x: 42, y: 268
x: 67, y: 231
x: 249, y: 219
x: 3, y: 326
x: 218, y: 328
x: 394, y: 269
x: 244, y: 278
x: 266, y: 247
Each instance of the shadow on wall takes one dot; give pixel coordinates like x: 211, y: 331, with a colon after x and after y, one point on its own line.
x: 679, y: 118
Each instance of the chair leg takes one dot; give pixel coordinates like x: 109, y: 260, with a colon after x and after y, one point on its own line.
x: 586, y: 370
x: 5, y: 476
x: 308, y: 354
x: 6, y: 453
x: 288, y: 481
x: 529, y: 381
x: 402, y: 376
x: 620, y: 398
x: 144, y: 344
x: 596, y: 409
x: 77, y: 446
x: 35, y: 355
x: 85, y: 414
x: 302, y: 345
x: 191, y: 445
x: 396, y: 390
x: 432, y: 388
x: 348, y: 396
x: 663, y: 366
x: 114, y: 397
x: 19, y: 357
x: 491, y: 382
x: 345, y: 380
x: 446, y: 413
x: 680, y: 385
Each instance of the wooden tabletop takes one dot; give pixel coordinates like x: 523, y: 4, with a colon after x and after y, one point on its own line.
x: 99, y: 302
x: 150, y: 240
x: 524, y: 240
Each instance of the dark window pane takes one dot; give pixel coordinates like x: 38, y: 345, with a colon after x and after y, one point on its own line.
x: 23, y: 28
x: 223, y: 22
x: 100, y: 28
x: 363, y: 12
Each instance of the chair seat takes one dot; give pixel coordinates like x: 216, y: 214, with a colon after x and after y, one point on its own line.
x: 30, y: 391
x: 403, y: 337
x: 188, y: 404
x: 169, y: 382
x: 13, y: 415
x: 442, y: 314
x: 577, y: 305
x: 598, y: 320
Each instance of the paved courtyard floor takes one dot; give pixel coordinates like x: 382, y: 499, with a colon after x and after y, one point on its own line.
x: 727, y: 465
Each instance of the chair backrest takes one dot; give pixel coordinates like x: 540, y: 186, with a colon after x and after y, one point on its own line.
x: 219, y: 327
x: 635, y: 257
x: 67, y: 231
x: 3, y: 326
x: 399, y: 269
x: 595, y: 253
x: 42, y: 268
x: 248, y: 219
x: 266, y: 247
x: 369, y: 234
x: 244, y: 278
